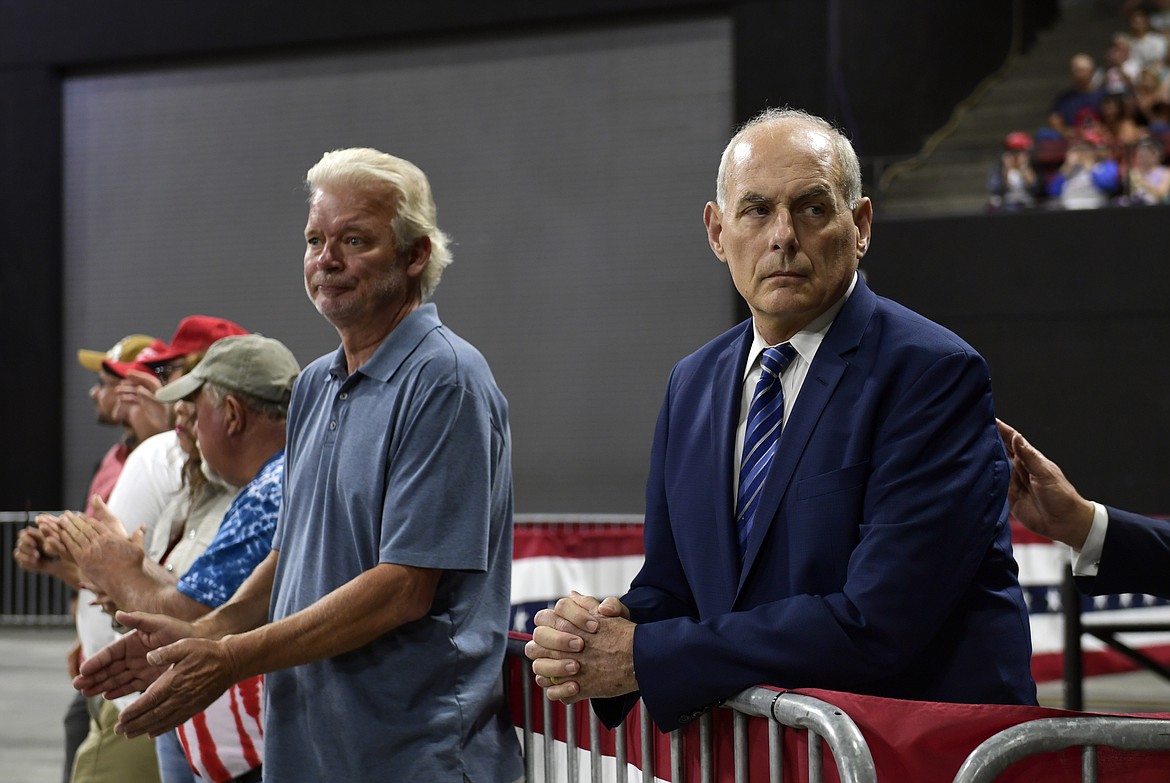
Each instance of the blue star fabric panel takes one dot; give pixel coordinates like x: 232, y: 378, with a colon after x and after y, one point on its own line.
x: 243, y: 541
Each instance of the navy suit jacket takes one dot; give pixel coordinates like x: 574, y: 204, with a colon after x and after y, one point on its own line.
x: 880, y: 561
x: 1135, y: 557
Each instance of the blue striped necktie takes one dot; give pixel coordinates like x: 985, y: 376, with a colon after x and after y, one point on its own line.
x: 765, y: 415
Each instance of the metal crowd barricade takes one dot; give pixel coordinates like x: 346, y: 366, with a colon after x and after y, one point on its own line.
x: 1001, y: 750
x: 823, y: 722
x: 28, y: 599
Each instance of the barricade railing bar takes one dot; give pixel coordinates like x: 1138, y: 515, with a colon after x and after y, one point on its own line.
x: 1000, y: 751
x: 28, y: 599
x: 825, y: 725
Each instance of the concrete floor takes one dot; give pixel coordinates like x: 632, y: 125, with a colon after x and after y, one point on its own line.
x: 34, y: 692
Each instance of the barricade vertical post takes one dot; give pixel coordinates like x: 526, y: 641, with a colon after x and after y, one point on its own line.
x: 623, y: 764
x: 676, y: 756
x: 816, y: 772
x: 740, y: 744
x: 706, y: 757
x: 594, y: 748
x: 1089, y: 764
x: 529, y: 756
x: 549, y: 760
x: 572, y: 765
x: 775, y: 752
x: 647, y: 743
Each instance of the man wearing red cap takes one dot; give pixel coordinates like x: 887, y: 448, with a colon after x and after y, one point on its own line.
x: 161, y: 362
x: 1013, y: 183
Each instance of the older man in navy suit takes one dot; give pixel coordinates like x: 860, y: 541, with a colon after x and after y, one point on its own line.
x: 826, y: 503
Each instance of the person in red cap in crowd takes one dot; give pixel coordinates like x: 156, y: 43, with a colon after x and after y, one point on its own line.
x: 1088, y: 178
x: 150, y: 481
x: 31, y: 552
x: 162, y: 362
x: 1013, y: 183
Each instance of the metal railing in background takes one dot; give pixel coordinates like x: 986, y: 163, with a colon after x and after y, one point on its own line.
x: 1001, y: 750
x: 28, y: 599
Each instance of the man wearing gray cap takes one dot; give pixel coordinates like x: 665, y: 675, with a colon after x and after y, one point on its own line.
x: 391, y: 566
x: 240, y: 392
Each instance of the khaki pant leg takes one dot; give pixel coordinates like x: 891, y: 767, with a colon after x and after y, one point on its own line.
x: 106, y: 757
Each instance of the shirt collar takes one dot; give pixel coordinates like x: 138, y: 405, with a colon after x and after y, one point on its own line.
x: 395, y: 348
x: 808, y: 340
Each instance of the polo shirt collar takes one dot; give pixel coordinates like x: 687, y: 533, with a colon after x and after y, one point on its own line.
x: 398, y: 345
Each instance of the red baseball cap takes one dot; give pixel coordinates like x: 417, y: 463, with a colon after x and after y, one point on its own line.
x: 139, y: 362
x: 1017, y: 140
x: 195, y: 333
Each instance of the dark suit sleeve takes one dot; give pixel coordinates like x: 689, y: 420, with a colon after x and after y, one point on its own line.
x: 928, y: 516
x: 1135, y: 557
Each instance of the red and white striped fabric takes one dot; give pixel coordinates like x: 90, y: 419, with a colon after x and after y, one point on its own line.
x: 227, y: 739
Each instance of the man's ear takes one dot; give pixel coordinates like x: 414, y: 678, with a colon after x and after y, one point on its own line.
x: 234, y: 413
x: 863, y: 220
x: 713, y: 220
x: 418, y: 256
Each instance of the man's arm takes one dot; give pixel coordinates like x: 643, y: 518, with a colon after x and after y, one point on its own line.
x: 1041, y: 498
x: 368, y: 606
x: 121, y: 667
x: 117, y: 567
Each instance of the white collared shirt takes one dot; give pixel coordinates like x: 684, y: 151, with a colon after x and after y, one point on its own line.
x: 806, y: 342
x: 1088, y: 559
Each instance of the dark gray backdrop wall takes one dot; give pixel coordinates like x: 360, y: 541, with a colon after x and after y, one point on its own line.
x: 1069, y: 309
x: 570, y: 168
x: 847, y: 59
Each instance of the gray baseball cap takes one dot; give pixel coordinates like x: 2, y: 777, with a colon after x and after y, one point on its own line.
x: 250, y: 363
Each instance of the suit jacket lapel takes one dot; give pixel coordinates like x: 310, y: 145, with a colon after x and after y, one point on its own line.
x: 726, y: 385
x: 823, y: 376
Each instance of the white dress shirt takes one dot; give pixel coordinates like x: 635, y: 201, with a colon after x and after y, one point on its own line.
x: 1088, y: 559
x: 806, y: 342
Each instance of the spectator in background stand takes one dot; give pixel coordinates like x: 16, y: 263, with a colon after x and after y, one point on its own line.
x: 1082, y: 99
x: 1158, y: 11
x: 1119, y: 71
x: 31, y: 554
x: 1149, y: 180
x: 1013, y: 183
x: 1150, y: 97
x: 1118, y: 130
x: 1147, y: 47
x: 1088, y: 178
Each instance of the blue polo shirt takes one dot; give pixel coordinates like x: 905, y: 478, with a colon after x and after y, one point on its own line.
x: 407, y: 461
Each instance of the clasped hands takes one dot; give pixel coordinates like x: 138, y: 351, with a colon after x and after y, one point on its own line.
x: 97, y: 545
x: 583, y: 649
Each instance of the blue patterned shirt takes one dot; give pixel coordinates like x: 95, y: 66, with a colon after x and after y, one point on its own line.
x: 243, y: 541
